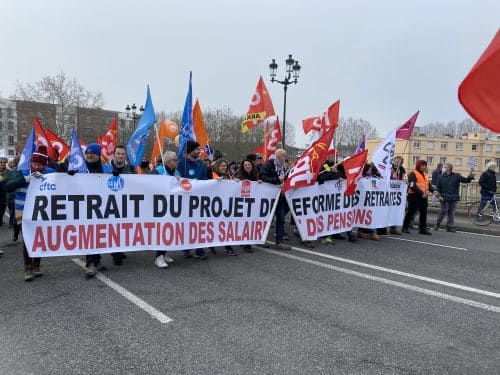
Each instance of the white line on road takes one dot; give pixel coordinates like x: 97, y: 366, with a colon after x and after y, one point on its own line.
x: 478, y: 234
x: 131, y: 297
x: 400, y: 273
x: 428, y: 243
x: 389, y: 282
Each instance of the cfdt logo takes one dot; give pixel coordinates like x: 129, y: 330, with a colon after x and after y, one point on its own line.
x: 116, y: 183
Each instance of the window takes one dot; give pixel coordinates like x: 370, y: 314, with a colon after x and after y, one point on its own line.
x: 442, y: 160
x: 10, y: 112
x: 415, y: 159
x: 11, y: 140
x: 459, y: 146
x: 430, y: 159
x: 475, y: 147
x: 444, y: 145
x: 416, y: 144
x: 430, y: 145
x: 1, y: 125
x: 488, y: 148
x: 11, y: 152
x: 11, y: 125
x: 458, y: 162
x: 498, y: 148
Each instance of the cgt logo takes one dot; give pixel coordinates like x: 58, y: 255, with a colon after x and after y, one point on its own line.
x: 116, y: 183
x: 186, y: 185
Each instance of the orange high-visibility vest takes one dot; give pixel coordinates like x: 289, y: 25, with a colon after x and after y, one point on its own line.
x: 422, y: 182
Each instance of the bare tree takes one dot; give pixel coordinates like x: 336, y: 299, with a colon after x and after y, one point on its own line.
x: 349, y: 133
x: 68, y: 95
x: 453, y: 128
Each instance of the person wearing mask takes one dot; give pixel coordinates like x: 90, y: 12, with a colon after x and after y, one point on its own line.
x: 448, y: 191
x: 220, y: 171
x: 168, y: 167
x: 191, y: 166
x: 19, y: 183
x: 436, y: 173
x: 94, y: 165
x: 488, y: 184
x: 419, y: 187
x: 273, y: 171
x: 119, y: 165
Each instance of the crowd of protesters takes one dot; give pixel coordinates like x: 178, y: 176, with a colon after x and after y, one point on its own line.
x: 443, y: 187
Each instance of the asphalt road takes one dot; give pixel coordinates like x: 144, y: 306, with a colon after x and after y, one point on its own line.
x: 408, y: 304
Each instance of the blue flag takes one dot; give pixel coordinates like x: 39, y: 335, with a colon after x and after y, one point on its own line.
x: 137, y: 142
x: 187, y: 132
x: 76, y: 161
x: 25, y: 159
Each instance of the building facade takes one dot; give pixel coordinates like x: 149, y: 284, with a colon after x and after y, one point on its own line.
x: 470, y: 150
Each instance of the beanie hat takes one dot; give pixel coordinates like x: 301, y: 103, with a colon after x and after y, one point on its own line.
x: 191, y: 146
x: 40, y: 155
x: 94, y: 148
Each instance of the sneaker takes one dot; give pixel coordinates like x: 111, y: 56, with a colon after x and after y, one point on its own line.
x: 426, y: 232
x: 200, y: 254
x: 91, y: 271
x: 160, y: 262
x: 395, y: 231
x: 282, y: 246
x: 231, y: 252
x: 168, y: 259
x: 36, y: 271
x: 28, y: 275
x: 327, y: 240
x: 406, y: 230
x: 374, y: 237
x: 187, y: 254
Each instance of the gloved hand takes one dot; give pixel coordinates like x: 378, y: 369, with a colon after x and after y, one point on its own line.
x: 116, y: 173
x: 36, y: 174
x: 27, y: 178
x: 71, y: 173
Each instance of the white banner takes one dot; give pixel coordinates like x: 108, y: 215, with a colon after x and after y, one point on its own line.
x: 321, y: 210
x: 384, y: 154
x: 99, y: 213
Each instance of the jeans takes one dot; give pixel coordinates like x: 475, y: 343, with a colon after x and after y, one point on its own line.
x: 280, y: 219
x: 448, y: 209
x: 485, y: 197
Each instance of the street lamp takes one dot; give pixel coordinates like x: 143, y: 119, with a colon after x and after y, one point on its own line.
x: 132, y: 112
x: 292, y: 74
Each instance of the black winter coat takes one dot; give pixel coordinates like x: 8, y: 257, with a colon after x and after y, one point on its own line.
x: 488, y: 182
x: 448, y: 186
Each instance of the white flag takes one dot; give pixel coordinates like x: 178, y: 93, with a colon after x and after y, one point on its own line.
x: 383, y: 155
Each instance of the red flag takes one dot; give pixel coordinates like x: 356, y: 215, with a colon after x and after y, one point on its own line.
x: 353, y: 168
x: 306, y: 169
x: 479, y: 92
x: 311, y: 123
x: 41, y: 139
x: 405, y: 130
x: 272, y: 139
x: 57, y: 143
x: 261, y: 107
x: 109, y: 141
x: 330, y: 119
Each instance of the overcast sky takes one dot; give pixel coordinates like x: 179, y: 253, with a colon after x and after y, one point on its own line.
x: 382, y: 59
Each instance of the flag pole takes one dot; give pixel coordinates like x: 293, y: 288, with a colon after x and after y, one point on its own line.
x: 159, y: 146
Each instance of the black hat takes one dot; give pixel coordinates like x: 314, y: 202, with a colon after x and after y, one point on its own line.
x: 191, y: 146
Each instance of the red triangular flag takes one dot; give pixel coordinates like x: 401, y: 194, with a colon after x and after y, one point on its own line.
x: 330, y: 118
x: 306, y: 169
x: 41, y: 139
x: 405, y: 130
x: 479, y: 92
x: 353, y: 168
x: 260, y: 108
x: 272, y: 139
x: 311, y: 123
x: 57, y: 144
x: 109, y: 141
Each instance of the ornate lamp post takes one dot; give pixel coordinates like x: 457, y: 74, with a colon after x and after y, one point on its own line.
x: 132, y: 112
x: 291, y: 76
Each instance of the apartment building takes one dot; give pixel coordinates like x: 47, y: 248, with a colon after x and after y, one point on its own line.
x: 469, y: 150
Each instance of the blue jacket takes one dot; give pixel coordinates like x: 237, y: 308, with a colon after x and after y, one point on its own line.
x: 192, y: 169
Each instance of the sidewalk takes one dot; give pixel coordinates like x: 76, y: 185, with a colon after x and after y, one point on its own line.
x: 462, y: 222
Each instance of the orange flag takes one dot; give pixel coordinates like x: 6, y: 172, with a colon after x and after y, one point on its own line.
x: 109, y: 141
x: 159, y: 140
x: 200, y: 131
x: 57, y: 144
x: 41, y: 139
x: 260, y: 108
x: 479, y: 93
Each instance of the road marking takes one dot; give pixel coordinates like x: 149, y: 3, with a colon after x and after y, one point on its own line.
x: 478, y: 234
x: 131, y: 297
x: 428, y: 243
x: 389, y: 282
x: 400, y: 273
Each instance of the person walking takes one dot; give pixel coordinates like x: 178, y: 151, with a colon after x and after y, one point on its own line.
x: 448, y: 192
x: 419, y: 187
x: 434, y: 179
